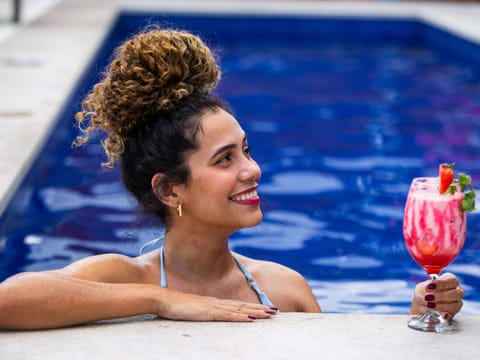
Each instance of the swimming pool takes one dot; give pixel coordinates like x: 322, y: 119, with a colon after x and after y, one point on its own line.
x: 341, y: 114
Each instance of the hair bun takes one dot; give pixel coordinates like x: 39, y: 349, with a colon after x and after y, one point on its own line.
x: 148, y: 74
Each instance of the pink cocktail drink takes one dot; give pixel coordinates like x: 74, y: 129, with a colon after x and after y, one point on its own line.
x: 434, y: 225
x: 434, y: 228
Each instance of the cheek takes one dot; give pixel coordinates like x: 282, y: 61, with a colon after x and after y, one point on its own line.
x: 219, y: 184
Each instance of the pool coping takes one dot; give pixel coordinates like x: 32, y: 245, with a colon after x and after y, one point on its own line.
x: 53, y: 51
x: 286, y: 336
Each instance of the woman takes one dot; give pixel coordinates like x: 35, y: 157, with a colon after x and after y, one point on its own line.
x: 186, y: 159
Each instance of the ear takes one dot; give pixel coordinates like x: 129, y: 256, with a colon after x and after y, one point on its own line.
x: 164, y: 191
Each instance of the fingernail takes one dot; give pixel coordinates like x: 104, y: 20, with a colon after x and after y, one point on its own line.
x: 271, y: 312
x: 431, y: 286
x: 429, y: 297
x: 431, y: 305
x: 252, y: 317
x: 445, y: 316
x: 274, y: 308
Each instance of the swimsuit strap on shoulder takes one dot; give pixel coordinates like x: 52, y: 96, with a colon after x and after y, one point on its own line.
x: 253, y: 284
x: 163, y: 273
x: 151, y: 243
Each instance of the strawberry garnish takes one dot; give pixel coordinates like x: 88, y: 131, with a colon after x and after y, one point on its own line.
x: 448, y: 183
x: 445, y: 172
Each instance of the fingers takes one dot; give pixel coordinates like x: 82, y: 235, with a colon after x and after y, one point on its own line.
x: 181, y: 306
x: 448, y: 301
x: 444, y: 295
x: 229, y: 310
x: 444, y: 282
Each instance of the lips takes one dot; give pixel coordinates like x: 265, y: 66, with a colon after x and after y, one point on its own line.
x: 248, y: 197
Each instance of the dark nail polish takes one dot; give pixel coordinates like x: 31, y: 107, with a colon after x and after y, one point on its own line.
x: 252, y: 317
x: 431, y: 305
x: 431, y: 286
x: 271, y: 312
x: 429, y: 297
x: 274, y: 308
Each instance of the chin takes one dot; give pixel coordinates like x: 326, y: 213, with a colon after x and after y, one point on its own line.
x: 249, y: 221
x: 257, y: 221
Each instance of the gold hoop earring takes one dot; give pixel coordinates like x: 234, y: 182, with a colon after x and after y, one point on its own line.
x: 179, y: 210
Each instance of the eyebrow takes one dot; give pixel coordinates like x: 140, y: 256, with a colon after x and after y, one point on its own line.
x: 226, y: 148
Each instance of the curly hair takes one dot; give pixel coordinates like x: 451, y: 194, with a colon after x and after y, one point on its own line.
x: 149, y: 104
x: 147, y: 75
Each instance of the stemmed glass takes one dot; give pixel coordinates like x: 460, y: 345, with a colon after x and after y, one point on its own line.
x: 434, y: 228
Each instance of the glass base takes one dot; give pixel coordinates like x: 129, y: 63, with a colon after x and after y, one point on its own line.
x: 432, y: 321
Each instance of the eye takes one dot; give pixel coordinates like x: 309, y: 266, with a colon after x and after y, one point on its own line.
x: 224, y: 159
x: 247, y: 150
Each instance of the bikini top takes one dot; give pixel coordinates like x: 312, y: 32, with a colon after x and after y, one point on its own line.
x: 253, y: 284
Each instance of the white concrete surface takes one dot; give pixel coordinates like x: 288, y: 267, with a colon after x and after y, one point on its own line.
x: 30, y: 10
x: 287, y: 336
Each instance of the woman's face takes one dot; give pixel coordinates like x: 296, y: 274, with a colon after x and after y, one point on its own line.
x: 222, y: 190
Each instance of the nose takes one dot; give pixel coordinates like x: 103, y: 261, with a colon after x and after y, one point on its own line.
x: 250, y: 171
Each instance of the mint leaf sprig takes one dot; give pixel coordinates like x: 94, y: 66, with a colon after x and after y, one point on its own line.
x: 464, y: 180
x: 468, y: 202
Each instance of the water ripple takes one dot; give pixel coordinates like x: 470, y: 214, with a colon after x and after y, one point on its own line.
x: 369, y: 163
x: 287, y: 230
x: 348, y: 262
x: 53, y: 252
x: 301, y: 182
x: 280, y: 230
x: 61, y: 199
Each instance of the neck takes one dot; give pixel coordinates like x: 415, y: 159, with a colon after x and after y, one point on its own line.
x: 197, y: 255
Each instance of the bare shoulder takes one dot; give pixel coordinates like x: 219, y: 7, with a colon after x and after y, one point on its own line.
x: 285, y: 287
x: 114, y: 268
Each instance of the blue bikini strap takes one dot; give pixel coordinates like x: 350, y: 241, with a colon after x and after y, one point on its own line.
x: 151, y: 243
x: 163, y: 273
x: 253, y: 284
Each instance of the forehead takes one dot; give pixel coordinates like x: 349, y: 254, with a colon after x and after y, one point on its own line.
x: 219, y: 128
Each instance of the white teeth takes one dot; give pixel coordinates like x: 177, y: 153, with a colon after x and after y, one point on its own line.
x: 246, y: 196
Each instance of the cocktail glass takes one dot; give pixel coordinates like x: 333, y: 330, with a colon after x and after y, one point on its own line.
x: 434, y: 228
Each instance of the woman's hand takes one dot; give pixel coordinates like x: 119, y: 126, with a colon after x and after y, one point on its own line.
x: 182, y: 306
x: 444, y: 295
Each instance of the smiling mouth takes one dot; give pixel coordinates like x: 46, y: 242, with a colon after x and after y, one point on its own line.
x: 251, y: 195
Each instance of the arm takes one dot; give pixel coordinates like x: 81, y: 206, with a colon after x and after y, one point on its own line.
x: 77, y: 295
x: 444, y: 295
x: 50, y: 300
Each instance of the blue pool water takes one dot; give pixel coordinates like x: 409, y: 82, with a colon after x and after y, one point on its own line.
x: 341, y: 114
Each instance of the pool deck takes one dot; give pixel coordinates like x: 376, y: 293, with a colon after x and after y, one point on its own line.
x: 40, y: 63
x: 287, y: 336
